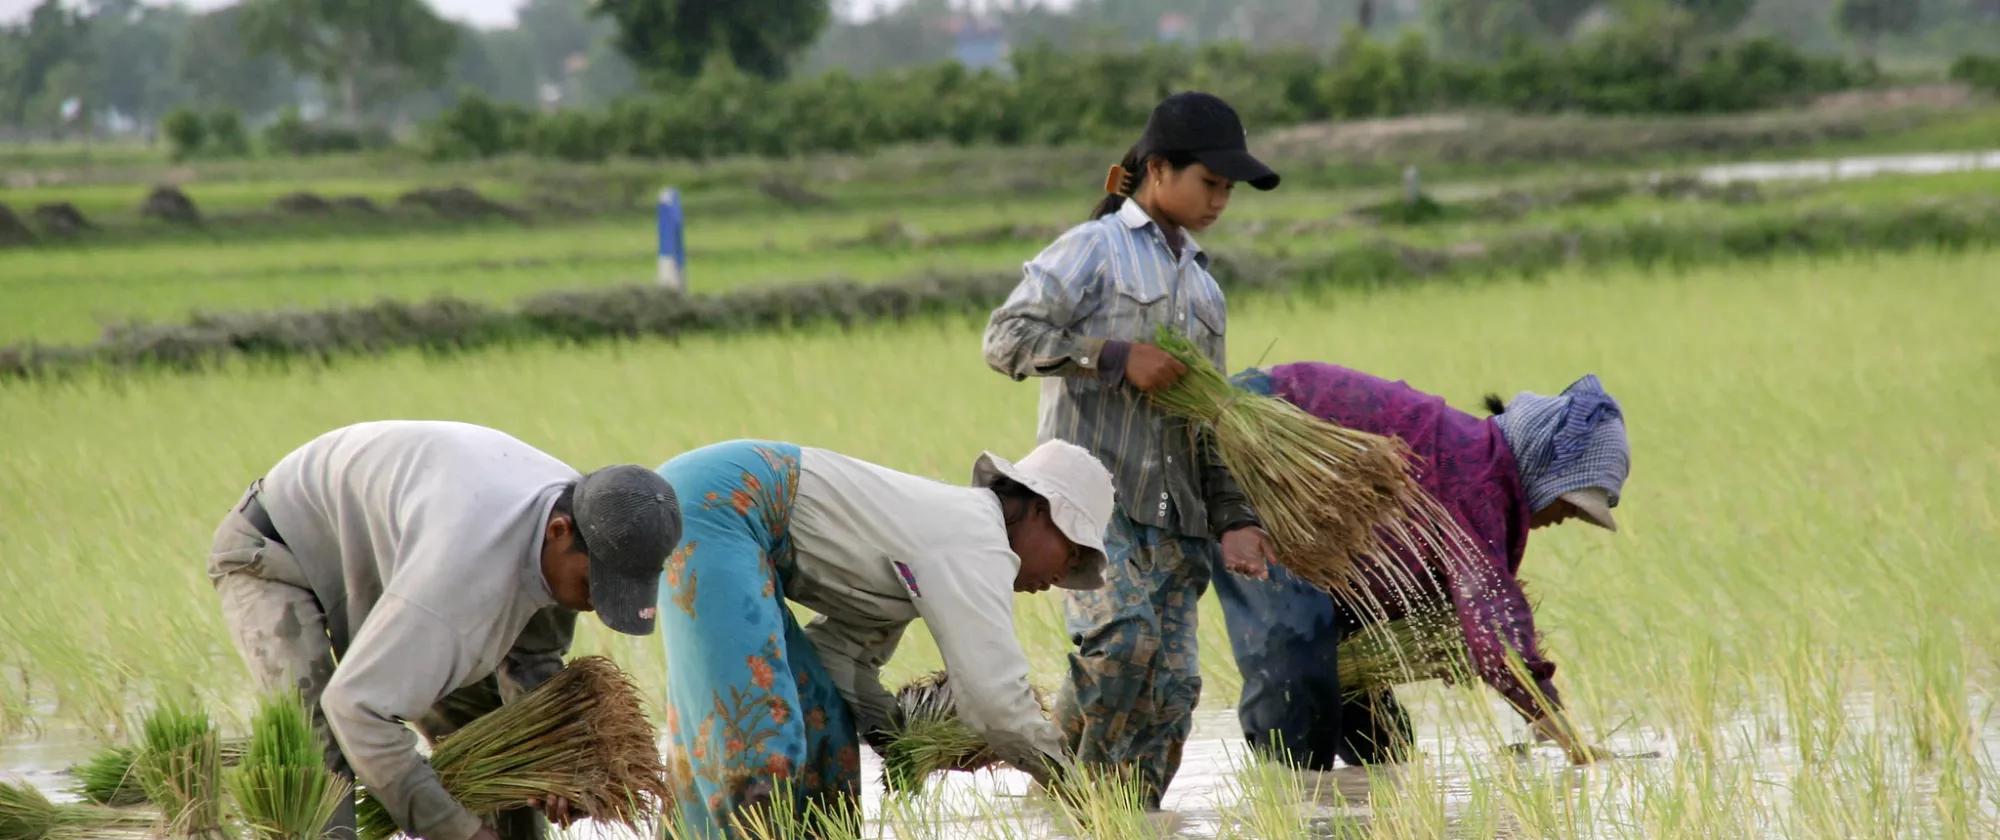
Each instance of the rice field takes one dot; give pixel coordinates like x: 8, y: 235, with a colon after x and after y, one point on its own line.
x: 917, y: 212
x: 1794, y: 625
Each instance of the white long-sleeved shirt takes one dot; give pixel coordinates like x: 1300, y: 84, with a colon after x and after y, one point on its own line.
x: 422, y: 541
x: 878, y: 549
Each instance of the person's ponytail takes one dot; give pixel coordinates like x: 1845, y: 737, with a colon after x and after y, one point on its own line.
x: 1116, y: 194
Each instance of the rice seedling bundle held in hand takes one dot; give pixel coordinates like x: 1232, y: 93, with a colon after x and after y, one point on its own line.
x: 283, y: 789
x: 1329, y: 496
x: 25, y: 814
x: 582, y: 736
x: 1406, y: 650
x: 928, y: 736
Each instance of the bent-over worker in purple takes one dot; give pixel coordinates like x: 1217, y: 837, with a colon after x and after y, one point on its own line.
x: 1540, y: 461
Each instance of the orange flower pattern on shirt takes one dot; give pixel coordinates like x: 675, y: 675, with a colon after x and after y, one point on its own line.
x: 753, y: 718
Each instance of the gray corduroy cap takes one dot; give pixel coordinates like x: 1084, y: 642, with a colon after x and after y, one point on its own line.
x: 630, y: 521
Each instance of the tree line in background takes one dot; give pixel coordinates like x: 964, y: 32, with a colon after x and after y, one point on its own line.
x: 1053, y: 97
x: 586, y: 78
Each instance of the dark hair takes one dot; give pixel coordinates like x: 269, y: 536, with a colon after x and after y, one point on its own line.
x: 1135, y: 174
x: 566, y: 506
x: 1015, y: 499
x: 1494, y: 405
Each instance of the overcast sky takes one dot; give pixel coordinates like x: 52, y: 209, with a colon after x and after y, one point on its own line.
x: 477, y: 12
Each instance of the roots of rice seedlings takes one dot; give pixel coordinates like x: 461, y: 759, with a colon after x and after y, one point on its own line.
x: 180, y: 768
x: 582, y: 736
x: 25, y: 814
x: 283, y: 789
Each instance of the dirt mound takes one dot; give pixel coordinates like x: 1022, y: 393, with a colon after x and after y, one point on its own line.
x: 61, y: 219
x: 303, y: 204
x: 454, y: 203
x: 788, y: 193
x: 356, y: 204
x: 13, y: 231
x: 169, y: 204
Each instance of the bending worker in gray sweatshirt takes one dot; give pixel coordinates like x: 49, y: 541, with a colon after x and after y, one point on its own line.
x: 442, y: 566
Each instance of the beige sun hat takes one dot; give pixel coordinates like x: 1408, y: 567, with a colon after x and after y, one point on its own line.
x: 1595, y: 505
x: 1078, y: 489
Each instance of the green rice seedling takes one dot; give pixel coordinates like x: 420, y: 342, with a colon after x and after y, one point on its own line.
x: 1328, y: 495
x: 817, y: 820
x: 106, y: 778
x: 929, y: 737
x: 25, y: 814
x: 1271, y: 800
x: 1103, y: 804
x: 180, y: 768
x: 283, y: 789
x: 582, y: 736
x: 1405, y: 650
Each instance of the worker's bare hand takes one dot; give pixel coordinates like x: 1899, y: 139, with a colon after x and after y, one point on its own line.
x: 1247, y: 551
x: 557, y: 809
x: 1558, y: 729
x: 1150, y: 369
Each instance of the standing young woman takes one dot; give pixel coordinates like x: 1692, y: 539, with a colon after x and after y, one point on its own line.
x: 765, y: 715
x: 1081, y: 317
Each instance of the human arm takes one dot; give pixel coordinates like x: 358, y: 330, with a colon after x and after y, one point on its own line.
x: 403, y: 661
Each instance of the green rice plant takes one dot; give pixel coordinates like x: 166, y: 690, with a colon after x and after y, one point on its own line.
x: 25, y: 814
x: 283, y: 789
x: 928, y: 737
x: 1271, y: 800
x: 582, y: 736
x: 817, y: 820
x: 180, y: 768
x: 1329, y: 496
x: 106, y: 778
x: 1405, y: 650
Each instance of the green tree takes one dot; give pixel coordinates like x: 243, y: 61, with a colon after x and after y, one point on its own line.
x: 186, y: 132
x: 1482, y: 28
x: 51, y: 46
x: 1869, y: 20
x: 366, y: 50
x: 217, y: 69
x: 1559, y: 17
x: 1718, y: 16
x: 131, y: 48
x: 675, y: 38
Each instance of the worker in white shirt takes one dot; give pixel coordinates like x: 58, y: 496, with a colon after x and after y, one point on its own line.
x: 763, y: 713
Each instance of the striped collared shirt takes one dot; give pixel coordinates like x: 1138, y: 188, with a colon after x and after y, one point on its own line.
x: 1103, y: 285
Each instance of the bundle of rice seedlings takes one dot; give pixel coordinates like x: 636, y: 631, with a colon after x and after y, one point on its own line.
x: 106, y: 778
x: 283, y: 789
x: 1405, y: 650
x: 180, y: 768
x: 25, y: 814
x: 1329, y: 496
x: 582, y: 736
x: 929, y: 737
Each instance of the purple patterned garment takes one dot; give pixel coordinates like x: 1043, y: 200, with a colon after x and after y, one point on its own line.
x: 1465, y: 464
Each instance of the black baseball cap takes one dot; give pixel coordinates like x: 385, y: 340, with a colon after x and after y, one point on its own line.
x: 630, y: 521
x: 1206, y: 127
